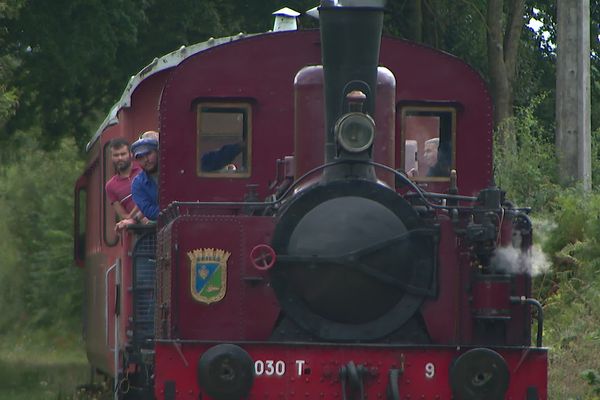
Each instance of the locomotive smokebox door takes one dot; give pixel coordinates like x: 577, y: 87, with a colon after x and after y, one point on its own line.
x: 354, y: 261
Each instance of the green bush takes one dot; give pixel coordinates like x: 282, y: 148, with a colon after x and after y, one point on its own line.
x: 573, y: 243
x: 38, y: 284
x: 525, y: 164
x: 570, y: 292
x: 596, y: 158
x: 526, y: 167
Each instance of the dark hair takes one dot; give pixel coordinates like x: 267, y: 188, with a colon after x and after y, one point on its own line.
x: 117, y: 143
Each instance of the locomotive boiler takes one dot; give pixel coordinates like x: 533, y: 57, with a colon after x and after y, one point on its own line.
x: 353, y: 249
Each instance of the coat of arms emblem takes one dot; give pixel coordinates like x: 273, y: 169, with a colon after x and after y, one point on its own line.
x: 208, y: 282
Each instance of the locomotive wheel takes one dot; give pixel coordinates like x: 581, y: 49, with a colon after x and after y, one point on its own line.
x: 353, y: 261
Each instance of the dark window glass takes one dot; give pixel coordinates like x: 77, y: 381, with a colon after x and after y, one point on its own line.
x: 224, y: 139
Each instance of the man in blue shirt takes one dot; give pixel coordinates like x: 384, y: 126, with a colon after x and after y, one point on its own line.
x: 144, y: 187
x: 218, y: 159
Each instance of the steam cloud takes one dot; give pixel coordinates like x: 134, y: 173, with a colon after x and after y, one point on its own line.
x: 512, y: 261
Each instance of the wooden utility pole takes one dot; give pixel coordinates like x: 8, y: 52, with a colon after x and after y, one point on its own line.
x: 573, y: 126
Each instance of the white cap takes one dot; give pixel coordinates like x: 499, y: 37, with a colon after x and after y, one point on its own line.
x: 285, y: 20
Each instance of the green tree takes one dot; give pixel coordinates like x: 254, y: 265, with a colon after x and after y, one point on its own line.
x: 39, y: 285
x: 457, y: 27
x: 505, y: 22
x: 525, y: 164
x: 545, y: 12
x: 8, y: 96
x: 69, y: 52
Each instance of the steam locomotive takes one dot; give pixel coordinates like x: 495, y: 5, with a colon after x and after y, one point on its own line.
x: 351, y: 250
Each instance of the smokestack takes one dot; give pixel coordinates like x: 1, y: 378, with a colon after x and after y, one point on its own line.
x: 350, y: 41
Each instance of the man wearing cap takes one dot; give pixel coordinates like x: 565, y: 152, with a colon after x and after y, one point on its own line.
x: 145, y: 186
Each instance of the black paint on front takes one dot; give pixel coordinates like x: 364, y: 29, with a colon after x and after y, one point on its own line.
x: 354, y: 261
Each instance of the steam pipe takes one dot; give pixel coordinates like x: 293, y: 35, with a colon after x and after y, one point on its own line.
x: 540, y: 314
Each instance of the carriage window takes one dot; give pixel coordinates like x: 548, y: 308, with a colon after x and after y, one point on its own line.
x: 429, y: 140
x: 224, y: 138
x: 111, y: 237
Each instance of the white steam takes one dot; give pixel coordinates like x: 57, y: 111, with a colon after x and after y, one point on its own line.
x: 513, y: 261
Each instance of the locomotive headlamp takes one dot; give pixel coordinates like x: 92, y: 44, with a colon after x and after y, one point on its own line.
x: 355, y: 132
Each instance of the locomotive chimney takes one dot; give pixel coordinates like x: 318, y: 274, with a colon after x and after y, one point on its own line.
x: 350, y: 40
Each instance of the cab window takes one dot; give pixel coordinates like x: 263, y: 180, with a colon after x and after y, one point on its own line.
x: 428, y: 135
x: 224, y: 138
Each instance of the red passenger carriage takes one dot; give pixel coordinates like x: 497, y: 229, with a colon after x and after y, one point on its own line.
x: 326, y: 261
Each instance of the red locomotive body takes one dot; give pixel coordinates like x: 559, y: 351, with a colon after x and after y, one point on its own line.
x: 324, y: 261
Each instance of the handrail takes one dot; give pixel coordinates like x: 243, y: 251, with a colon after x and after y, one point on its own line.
x: 117, y: 312
x: 106, y: 312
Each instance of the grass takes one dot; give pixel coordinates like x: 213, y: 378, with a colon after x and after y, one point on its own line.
x: 41, y: 366
x: 573, y: 335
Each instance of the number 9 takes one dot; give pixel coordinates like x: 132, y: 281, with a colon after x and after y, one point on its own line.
x: 429, y: 370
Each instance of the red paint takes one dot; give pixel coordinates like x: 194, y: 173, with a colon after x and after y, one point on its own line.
x: 491, y: 296
x: 319, y: 376
x: 248, y: 310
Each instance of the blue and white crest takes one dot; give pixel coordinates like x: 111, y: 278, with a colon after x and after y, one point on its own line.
x: 208, y: 280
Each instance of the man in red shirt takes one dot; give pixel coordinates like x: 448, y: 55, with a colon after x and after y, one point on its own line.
x: 118, y: 188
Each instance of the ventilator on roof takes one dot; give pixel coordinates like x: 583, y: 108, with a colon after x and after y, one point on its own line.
x: 285, y: 20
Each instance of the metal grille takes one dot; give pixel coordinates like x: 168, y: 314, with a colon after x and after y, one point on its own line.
x: 144, y: 276
x: 162, y: 318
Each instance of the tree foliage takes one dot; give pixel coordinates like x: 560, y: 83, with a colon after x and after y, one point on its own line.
x: 545, y: 12
x: 525, y: 164
x: 38, y: 284
x: 8, y: 64
x: 458, y: 27
x: 505, y: 23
